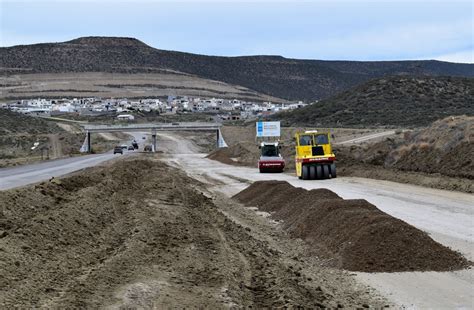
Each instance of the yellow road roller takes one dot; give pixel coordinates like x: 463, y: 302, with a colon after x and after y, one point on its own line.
x: 314, y: 157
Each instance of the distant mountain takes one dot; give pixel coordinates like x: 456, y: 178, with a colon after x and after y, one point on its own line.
x: 273, y: 75
x: 396, y: 101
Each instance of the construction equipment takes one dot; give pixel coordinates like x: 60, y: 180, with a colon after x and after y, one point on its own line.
x: 314, y: 157
x: 270, y: 158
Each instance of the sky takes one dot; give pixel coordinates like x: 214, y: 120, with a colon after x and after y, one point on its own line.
x: 329, y: 30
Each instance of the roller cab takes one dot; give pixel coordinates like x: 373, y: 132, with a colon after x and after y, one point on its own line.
x: 270, y: 158
x: 314, y: 158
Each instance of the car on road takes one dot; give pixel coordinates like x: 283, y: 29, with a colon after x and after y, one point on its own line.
x: 124, y: 146
x: 131, y: 148
x: 118, y: 149
x: 148, y: 148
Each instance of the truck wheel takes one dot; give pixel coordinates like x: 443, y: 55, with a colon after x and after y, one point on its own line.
x: 305, y: 172
x: 326, y: 171
x: 333, y: 170
x: 312, y: 172
x: 319, y: 172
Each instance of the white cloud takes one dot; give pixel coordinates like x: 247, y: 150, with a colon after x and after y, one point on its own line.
x: 461, y: 57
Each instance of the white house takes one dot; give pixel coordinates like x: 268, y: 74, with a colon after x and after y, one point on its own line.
x: 127, y: 117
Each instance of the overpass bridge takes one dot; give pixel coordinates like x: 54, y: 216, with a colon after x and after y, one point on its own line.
x: 153, y: 128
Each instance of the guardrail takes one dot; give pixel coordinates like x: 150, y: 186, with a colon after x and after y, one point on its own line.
x: 157, y: 127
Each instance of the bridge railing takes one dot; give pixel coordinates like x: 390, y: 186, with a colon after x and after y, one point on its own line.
x: 153, y: 128
x: 162, y: 126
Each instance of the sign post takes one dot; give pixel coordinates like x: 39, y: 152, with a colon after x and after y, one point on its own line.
x: 268, y: 129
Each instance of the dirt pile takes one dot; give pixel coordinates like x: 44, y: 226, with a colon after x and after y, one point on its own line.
x: 138, y: 234
x: 446, y: 147
x: 241, y: 154
x: 360, y: 236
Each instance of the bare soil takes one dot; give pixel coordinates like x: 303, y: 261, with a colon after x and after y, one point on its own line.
x: 358, y: 235
x: 140, y: 234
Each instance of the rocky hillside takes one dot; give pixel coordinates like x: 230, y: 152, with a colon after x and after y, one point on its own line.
x: 396, y: 101
x: 272, y: 75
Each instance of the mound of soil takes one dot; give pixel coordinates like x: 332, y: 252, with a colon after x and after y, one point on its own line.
x: 241, y: 154
x: 359, y: 235
x: 137, y: 233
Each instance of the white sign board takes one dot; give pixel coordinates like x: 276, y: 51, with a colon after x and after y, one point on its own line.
x: 268, y: 129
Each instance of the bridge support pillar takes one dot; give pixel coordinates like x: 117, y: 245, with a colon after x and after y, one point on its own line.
x: 89, y: 143
x: 153, y: 139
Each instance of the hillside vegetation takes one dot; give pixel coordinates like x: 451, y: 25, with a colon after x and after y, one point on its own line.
x: 16, y: 123
x: 396, y: 101
x: 443, y: 153
x: 273, y: 75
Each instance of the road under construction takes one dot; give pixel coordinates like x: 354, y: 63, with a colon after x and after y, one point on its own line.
x: 165, y: 225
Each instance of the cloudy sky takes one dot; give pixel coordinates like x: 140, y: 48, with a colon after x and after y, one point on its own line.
x: 332, y: 29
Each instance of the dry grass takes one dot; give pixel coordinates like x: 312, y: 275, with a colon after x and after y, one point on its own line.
x: 91, y: 84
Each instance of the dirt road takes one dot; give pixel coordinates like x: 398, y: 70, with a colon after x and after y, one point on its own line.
x: 446, y: 216
x: 368, y: 137
x: 139, y: 234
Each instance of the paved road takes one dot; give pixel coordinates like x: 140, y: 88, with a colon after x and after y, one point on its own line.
x: 368, y: 137
x: 447, y: 216
x: 29, y: 174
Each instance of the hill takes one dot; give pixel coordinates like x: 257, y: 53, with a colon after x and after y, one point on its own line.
x: 273, y: 75
x: 12, y: 123
x: 439, y: 156
x: 396, y: 101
